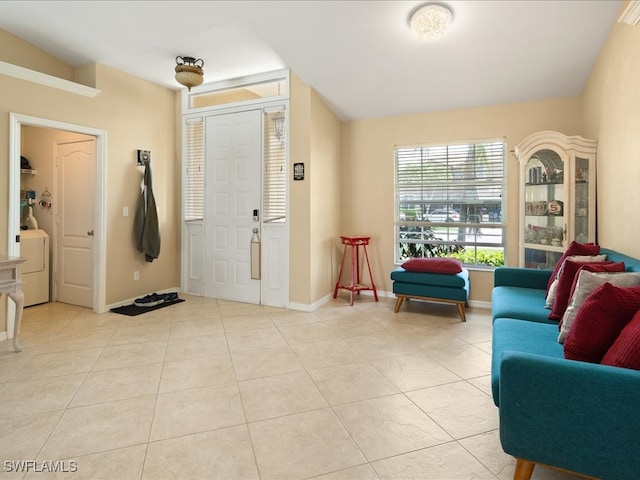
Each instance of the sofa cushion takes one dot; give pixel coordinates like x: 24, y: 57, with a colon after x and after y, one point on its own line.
x: 553, y: 289
x: 457, y: 294
x: 586, y: 283
x: 625, y: 351
x: 520, y: 303
x: 566, y: 280
x: 518, y: 336
x: 444, y: 265
x: 574, y: 248
x: 598, y: 324
x: 459, y: 280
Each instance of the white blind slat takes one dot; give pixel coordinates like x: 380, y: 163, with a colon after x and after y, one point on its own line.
x: 194, y: 170
x: 449, y: 195
x: 274, y: 186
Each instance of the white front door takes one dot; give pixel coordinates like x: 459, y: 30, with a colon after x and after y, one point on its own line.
x: 232, y: 196
x: 75, y: 164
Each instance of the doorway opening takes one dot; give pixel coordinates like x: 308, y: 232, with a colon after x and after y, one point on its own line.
x: 97, y: 202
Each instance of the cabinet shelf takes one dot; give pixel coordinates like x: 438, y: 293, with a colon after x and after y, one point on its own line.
x: 542, y: 246
x: 543, y: 184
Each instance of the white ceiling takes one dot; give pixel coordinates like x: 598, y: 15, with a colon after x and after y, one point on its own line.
x: 359, y: 55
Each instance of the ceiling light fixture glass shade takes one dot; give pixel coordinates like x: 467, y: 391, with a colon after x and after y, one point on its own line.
x: 430, y: 22
x: 189, y: 71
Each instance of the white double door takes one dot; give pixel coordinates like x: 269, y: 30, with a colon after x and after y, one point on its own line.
x: 232, y: 204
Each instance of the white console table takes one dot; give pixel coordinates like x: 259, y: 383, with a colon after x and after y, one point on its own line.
x: 10, y: 282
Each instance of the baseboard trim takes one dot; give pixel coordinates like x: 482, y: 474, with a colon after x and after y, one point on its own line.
x: 479, y: 304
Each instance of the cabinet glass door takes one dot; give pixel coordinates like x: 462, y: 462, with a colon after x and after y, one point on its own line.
x: 544, y: 209
x: 581, y: 188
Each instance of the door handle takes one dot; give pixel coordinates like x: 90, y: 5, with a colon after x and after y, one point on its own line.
x: 90, y: 233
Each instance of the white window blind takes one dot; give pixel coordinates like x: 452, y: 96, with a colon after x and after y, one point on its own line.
x: 274, y: 185
x: 449, y: 200
x: 194, y: 170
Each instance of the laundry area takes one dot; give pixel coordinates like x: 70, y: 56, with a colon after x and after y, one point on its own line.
x: 50, y: 172
x: 34, y: 242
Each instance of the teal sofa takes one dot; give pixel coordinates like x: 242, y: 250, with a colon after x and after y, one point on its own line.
x: 575, y: 416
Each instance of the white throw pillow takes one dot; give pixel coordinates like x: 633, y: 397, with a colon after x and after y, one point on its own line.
x: 551, y: 294
x: 586, y: 284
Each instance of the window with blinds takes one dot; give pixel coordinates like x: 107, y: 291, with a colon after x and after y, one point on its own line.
x: 449, y: 202
x: 194, y: 170
x: 274, y: 185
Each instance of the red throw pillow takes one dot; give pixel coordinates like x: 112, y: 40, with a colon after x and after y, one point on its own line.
x: 566, y: 282
x: 445, y: 265
x: 625, y: 351
x: 574, y: 248
x: 599, y: 322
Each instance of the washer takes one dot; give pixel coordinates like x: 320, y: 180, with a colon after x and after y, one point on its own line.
x: 34, y: 246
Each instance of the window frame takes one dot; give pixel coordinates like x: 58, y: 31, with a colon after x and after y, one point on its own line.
x: 422, y: 235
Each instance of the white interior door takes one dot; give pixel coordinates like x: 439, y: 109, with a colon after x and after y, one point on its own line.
x: 232, y: 193
x: 75, y: 165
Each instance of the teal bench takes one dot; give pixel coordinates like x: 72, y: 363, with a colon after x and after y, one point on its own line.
x: 432, y: 287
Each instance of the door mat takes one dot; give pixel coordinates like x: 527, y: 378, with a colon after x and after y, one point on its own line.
x: 133, y: 310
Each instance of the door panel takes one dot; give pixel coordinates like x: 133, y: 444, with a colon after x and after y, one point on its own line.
x: 75, y: 191
x: 233, y: 179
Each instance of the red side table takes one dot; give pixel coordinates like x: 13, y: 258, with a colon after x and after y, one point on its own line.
x: 355, y: 286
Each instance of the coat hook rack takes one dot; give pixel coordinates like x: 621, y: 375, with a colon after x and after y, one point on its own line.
x: 143, y: 157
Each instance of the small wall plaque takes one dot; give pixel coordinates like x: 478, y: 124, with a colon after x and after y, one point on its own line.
x: 143, y: 157
x: 298, y: 171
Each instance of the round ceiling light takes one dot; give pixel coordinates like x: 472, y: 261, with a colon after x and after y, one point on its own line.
x: 189, y: 71
x: 431, y: 21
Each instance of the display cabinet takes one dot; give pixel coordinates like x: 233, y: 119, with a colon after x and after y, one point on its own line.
x: 557, y: 195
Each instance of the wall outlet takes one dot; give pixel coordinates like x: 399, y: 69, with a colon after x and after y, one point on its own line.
x: 125, y: 211
x: 136, y: 275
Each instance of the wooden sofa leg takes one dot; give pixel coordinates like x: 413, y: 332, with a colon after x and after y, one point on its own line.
x: 461, y: 311
x: 524, y: 469
x: 398, y: 304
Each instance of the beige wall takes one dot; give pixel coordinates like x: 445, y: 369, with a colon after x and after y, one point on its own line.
x: 300, y: 194
x: 611, y: 114
x: 136, y: 114
x: 18, y: 52
x: 368, y: 168
x: 314, y: 204
x: 325, y: 209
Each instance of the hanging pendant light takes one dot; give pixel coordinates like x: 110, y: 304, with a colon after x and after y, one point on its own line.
x: 189, y: 71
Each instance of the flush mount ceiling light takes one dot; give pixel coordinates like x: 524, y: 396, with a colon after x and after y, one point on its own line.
x: 189, y: 71
x: 431, y: 21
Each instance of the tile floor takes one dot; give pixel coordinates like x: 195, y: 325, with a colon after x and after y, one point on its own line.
x: 210, y: 389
